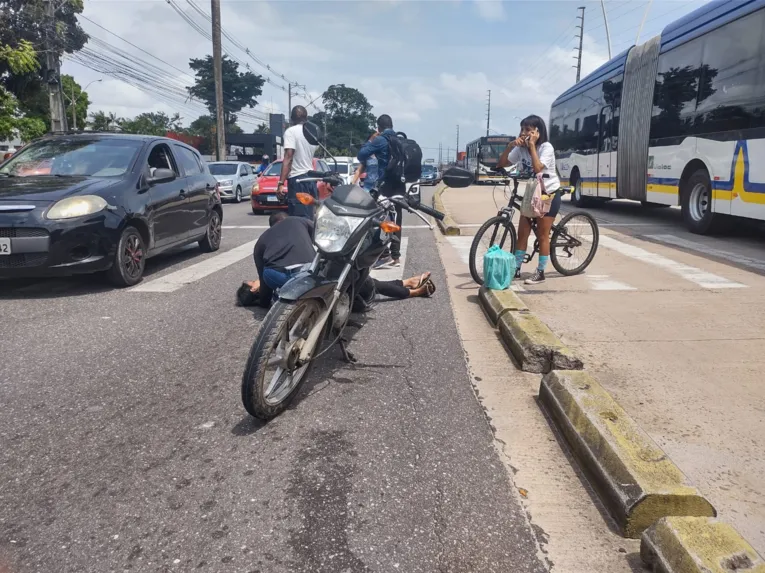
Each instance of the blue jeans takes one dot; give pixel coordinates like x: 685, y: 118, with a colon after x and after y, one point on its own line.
x: 275, y: 279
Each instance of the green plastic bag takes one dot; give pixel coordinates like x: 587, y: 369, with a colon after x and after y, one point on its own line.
x: 498, y: 268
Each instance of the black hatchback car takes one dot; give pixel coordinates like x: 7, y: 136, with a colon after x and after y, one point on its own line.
x: 103, y: 202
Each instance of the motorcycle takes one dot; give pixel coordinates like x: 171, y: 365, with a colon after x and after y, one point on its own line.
x: 353, y: 228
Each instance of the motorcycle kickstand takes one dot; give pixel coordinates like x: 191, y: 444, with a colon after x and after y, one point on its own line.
x: 347, y: 354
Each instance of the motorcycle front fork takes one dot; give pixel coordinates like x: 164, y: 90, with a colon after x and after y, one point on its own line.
x: 313, y: 337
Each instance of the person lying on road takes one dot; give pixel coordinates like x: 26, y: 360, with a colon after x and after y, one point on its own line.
x: 287, y: 246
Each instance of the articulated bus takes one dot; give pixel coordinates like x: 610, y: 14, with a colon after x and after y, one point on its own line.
x: 482, y: 154
x: 678, y: 120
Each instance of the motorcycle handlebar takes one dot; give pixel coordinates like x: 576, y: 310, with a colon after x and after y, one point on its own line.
x: 430, y: 211
x: 409, y: 205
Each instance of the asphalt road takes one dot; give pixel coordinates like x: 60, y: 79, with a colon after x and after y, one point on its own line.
x: 124, y: 444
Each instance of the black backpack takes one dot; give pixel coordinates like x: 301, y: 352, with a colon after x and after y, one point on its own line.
x: 405, y: 162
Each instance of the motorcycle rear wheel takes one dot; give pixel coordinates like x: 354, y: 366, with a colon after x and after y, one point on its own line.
x: 273, y: 374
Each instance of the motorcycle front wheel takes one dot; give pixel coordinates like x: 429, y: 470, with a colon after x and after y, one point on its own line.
x: 273, y: 373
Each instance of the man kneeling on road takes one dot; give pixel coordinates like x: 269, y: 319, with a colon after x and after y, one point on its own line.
x: 279, y: 253
x: 287, y: 246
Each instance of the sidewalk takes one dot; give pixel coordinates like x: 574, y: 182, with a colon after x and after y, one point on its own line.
x: 675, y: 336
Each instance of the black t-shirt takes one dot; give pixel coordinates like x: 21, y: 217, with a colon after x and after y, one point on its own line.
x: 287, y: 243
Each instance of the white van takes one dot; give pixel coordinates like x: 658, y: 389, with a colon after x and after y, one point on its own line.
x: 346, y: 167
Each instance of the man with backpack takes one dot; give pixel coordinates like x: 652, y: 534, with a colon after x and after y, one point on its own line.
x: 398, y: 161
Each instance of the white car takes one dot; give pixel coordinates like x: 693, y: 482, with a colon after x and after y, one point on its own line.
x: 235, y: 179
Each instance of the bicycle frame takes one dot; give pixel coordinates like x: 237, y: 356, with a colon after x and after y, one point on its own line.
x: 508, y: 212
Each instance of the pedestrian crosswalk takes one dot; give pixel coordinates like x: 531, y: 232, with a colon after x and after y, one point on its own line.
x: 614, y: 267
x: 176, y: 280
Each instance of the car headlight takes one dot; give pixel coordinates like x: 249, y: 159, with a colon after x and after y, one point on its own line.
x: 226, y: 183
x: 72, y: 207
x: 332, y: 232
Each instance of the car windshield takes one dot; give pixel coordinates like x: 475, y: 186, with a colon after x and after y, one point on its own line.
x: 428, y: 169
x: 223, y: 168
x: 74, y: 157
x: 274, y: 169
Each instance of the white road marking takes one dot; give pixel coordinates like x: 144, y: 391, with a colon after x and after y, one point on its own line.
x: 604, y: 282
x: 174, y: 281
x: 393, y: 273
x: 687, y: 272
x: 462, y: 246
x: 686, y: 244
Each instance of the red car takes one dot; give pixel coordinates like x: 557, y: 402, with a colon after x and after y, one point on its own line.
x: 264, y: 196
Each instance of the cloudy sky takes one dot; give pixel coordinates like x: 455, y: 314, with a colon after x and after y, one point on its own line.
x: 429, y: 64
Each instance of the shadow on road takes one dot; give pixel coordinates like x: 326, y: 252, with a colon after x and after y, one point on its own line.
x: 83, y: 285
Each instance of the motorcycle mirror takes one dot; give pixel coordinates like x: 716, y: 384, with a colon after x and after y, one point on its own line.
x: 458, y: 177
x: 312, y: 133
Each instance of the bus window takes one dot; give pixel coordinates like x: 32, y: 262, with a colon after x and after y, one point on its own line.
x: 675, y: 91
x: 729, y: 89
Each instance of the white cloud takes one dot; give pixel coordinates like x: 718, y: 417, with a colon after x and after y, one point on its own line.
x: 491, y: 10
x: 403, y: 105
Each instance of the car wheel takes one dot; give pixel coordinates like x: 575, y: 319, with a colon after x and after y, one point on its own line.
x: 129, y: 260
x: 238, y: 195
x: 211, y: 241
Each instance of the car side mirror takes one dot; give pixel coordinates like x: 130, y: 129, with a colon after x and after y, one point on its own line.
x: 161, y: 175
x: 457, y: 177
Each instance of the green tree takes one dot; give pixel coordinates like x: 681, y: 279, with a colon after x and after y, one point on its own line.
x: 152, y: 123
x: 21, y: 59
x: 240, y: 90
x: 262, y: 128
x: 204, y: 126
x: 72, y: 90
x: 25, y: 21
x: 347, y: 118
x: 102, y: 121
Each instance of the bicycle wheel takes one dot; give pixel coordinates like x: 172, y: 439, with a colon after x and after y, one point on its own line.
x: 496, y: 231
x: 574, y: 243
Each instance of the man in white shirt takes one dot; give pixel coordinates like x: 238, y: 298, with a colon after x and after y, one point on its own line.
x: 298, y: 160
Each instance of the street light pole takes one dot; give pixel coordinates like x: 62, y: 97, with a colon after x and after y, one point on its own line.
x: 73, y: 101
x: 605, y: 21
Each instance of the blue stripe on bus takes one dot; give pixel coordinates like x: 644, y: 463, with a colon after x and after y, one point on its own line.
x: 748, y: 186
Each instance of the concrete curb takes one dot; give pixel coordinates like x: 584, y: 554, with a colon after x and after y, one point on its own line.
x: 635, y: 479
x: 498, y: 302
x: 697, y: 545
x: 533, y: 345
x: 448, y: 226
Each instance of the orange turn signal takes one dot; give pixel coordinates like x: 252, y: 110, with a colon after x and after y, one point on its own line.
x: 389, y: 227
x: 305, y: 198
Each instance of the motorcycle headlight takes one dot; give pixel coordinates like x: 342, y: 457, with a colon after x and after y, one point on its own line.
x: 332, y: 232
x: 72, y: 207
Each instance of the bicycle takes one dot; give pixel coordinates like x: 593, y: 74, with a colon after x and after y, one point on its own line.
x: 564, y: 242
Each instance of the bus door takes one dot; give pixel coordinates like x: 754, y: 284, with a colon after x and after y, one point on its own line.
x: 605, y: 171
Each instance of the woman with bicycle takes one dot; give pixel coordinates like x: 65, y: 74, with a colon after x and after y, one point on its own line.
x: 532, y: 152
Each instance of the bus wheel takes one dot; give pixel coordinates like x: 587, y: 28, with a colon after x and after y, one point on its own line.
x: 697, y: 204
x: 578, y: 197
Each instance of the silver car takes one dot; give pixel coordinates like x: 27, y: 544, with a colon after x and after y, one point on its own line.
x: 235, y: 179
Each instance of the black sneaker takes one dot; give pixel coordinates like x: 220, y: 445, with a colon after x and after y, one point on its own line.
x: 536, y: 278
x: 517, y: 274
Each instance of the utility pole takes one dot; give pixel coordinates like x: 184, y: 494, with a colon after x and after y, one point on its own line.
x: 289, y: 95
x: 488, y: 112
x: 578, y: 57
x: 73, y: 101
x: 458, y: 138
x: 53, y: 73
x: 220, y: 130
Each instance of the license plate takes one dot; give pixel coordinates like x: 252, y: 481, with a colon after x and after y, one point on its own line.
x: 272, y: 199
x: 5, y: 246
